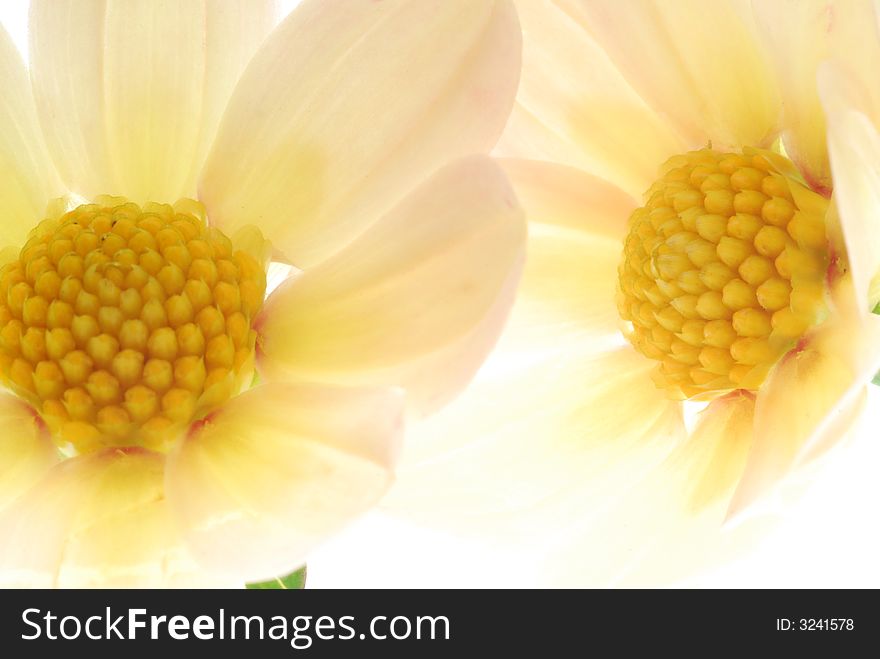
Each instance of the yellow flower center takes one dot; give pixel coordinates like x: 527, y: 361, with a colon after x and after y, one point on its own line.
x: 122, y: 324
x: 723, y: 270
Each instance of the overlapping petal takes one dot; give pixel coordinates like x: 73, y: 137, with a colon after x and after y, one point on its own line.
x: 547, y: 424
x: 576, y: 226
x: 342, y: 112
x: 130, y: 93
x: 807, y: 400
x: 99, y: 520
x: 27, y: 177
x: 534, y: 445
x: 575, y: 107
x: 666, y: 525
x: 798, y: 38
x: 416, y: 301
x: 701, y: 69
x: 265, y: 478
x: 854, y: 144
x: 26, y: 449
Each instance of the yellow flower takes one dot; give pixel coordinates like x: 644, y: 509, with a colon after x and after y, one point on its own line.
x: 675, y: 253
x: 133, y: 316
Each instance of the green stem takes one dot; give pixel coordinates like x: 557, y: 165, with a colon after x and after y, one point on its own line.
x: 293, y: 581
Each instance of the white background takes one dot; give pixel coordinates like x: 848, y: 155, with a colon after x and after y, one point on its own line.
x: 831, y: 538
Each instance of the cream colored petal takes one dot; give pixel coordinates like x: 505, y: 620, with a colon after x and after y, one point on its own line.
x: 270, y: 474
x: 666, y: 526
x: 814, y: 31
x: 26, y: 450
x: 346, y: 108
x: 526, y: 136
x: 563, y: 196
x: 27, y: 177
x: 576, y: 229
x: 854, y: 48
x: 534, y: 446
x: 854, y: 144
x: 575, y: 107
x: 433, y: 278
x: 130, y: 93
x: 698, y: 65
x: 99, y: 520
x: 798, y: 35
x: 806, y: 401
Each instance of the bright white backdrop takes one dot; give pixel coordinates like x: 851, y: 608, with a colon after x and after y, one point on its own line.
x: 831, y: 538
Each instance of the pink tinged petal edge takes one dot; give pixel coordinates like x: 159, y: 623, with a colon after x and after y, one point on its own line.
x: 417, y: 301
x: 807, y: 403
x: 855, y: 157
x: 26, y: 448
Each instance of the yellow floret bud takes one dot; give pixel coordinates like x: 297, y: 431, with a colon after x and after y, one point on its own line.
x: 722, y: 271
x: 122, y: 324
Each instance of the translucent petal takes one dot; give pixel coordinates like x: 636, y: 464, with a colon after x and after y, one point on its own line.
x: 130, y: 93
x: 348, y: 106
x: 27, y: 178
x: 416, y: 301
x: 575, y: 107
x: 270, y: 474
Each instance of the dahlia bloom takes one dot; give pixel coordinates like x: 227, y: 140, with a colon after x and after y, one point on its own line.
x: 689, y: 243
x: 179, y: 148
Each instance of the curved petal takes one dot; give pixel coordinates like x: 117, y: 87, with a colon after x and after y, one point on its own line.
x: 574, y: 106
x: 698, y: 65
x: 806, y: 399
x: 533, y: 446
x: 27, y: 179
x: 270, y: 474
x: 347, y: 107
x: 854, y: 47
x: 797, y: 36
x: 412, y: 289
x: 854, y: 144
x: 97, y: 521
x: 576, y: 228
x: 130, y: 93
x: 558, y: 195
x: 26, y: 449
x: 667, y: 525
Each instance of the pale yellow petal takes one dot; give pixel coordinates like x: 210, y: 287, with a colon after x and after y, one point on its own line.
x: 535, y: 446
x: 130, y: 93
x: 806, y: 400
x: 526, y: 136
x: 348, y: 106
x: 572, y: 93
x: 269, y: 475
x: 416, y: 286
x: 27, y: 177
x: 668, y: 525
x: 699, y: 65
x: 802, y: 34
x: 798, y: 37
x: 576, y: 228
x: 854, y: 49
x: 99, y: 520
x: 234, y: 30
x: 854, y: 144
x: 563, y: 196
x: 26, y: 449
